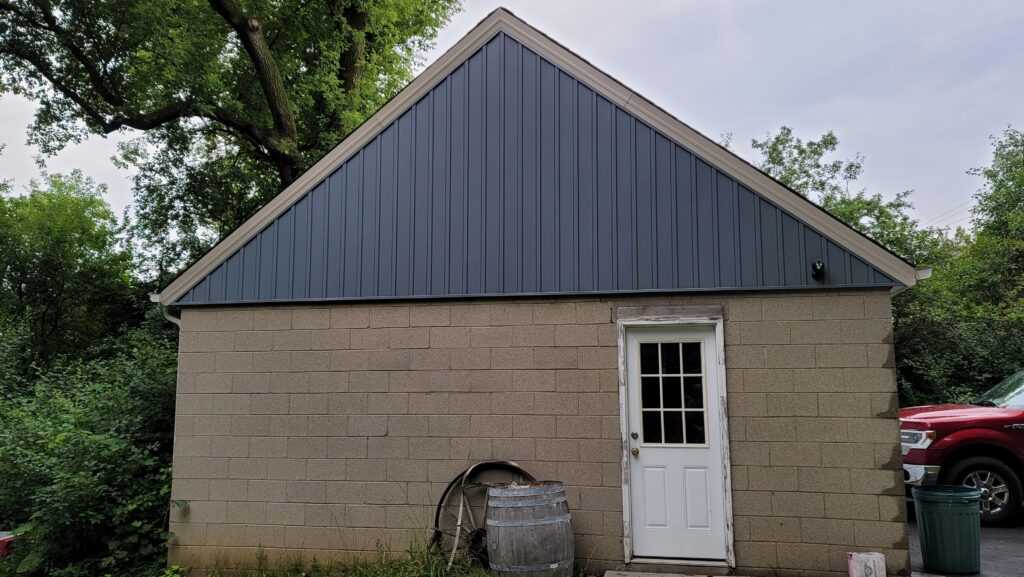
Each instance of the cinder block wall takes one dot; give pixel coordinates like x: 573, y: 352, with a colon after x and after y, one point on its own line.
x: 329, y: 431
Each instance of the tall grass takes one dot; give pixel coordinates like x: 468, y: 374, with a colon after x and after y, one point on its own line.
x: 417, y: 562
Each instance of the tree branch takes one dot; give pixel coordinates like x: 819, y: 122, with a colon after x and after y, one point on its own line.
x: 42, y: 66
x: 250, y: 32
x: 66, y: 40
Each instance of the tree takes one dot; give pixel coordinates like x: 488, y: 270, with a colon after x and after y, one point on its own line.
x: 65, y: 275
x: 961, y: 330
x: 803, y: 167
x: 235, y: 98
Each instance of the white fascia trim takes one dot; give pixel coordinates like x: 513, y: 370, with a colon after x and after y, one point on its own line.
x: 501, y: 20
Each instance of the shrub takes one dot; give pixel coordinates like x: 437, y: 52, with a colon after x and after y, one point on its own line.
x: 84, y: 463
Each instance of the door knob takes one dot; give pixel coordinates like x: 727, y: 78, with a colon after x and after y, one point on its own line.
x: 635, y: 451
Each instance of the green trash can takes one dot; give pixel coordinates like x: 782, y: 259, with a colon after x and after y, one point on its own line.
x: 949, y: 523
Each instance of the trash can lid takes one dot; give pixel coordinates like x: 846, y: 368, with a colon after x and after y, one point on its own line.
x: 947, y: 493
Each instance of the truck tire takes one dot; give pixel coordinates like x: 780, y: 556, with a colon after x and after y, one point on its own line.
x: 1001, y: 492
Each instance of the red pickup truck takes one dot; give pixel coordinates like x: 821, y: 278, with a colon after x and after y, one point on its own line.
x: 978, y: 445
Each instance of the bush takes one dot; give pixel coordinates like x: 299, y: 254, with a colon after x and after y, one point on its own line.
x: 85, y: 462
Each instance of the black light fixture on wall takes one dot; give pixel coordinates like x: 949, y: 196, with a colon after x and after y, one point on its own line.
x: 818, y: 270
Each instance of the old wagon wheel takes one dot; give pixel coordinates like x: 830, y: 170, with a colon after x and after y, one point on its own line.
x: 459, y: 517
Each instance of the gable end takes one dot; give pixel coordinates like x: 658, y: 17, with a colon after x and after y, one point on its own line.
x: 511, y: 175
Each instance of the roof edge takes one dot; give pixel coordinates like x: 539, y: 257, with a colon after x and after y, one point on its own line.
x: 502, y: 20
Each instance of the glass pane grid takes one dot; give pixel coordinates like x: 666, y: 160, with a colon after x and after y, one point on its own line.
x: 663, y: 367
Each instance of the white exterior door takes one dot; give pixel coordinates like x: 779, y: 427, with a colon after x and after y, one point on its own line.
x: 676, y: 483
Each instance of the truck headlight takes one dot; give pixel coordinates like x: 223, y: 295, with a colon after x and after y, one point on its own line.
x: 915, y: 439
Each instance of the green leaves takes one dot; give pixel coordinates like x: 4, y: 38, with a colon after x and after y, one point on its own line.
x: 64, y: 270
x: 801, y: 166
x: 84, y: 466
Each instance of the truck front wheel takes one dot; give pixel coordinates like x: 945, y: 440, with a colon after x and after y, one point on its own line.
x: 1001, y: 492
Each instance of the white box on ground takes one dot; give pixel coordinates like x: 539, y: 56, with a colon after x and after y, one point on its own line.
x: 866, y: 564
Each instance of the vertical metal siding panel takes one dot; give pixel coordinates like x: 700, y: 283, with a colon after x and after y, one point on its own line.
x: 477, y: 92
x: 233, y: 290
x: 300, y: 250
x: 388, y: 210
x: 646, y: 224
x: 404, y: 201
x: 285, y: 243
x: 791, y: 251
x: 268, y: 255
x: 493, y: 194
x: 746, y: 208
x: 458, y: 242
x: 201, y: 292
x: 353, y: 224
x: 513, y: 148
x: 587, y: 192
x: 707, y: 253
x: 568, y: 258
x: 548, y: 176
x: 217, y: 284
x: 335, y: 230
x: 665, y: 212
x: 187, y: 298
x: 606, y: 199
x: 318, y: 241
x: 423, y: 183
x: 440, y: 211
x: 836, y: 269
x: 371, y: 218
x: 686, y: 221
x: 625, y: 200
x: 251, y: 269
x: 860, y: 272
x: 881, y: 278
x: 726, y: 225
x: 771, y: 238
x: 531, y: 173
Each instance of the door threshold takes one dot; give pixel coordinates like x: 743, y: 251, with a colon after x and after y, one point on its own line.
x: 679, y: 561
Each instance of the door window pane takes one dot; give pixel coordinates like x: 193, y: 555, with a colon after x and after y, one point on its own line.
x: 691, y: 358
x: 650, y: 396
x: 695, y: 427
x: 670, y: 358
x: 649, y: 358
x: 693, y: 392
x: 652, y: 426
x: 671, y: 393
x: 674, y: 427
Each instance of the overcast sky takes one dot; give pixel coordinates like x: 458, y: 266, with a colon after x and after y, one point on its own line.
x: 916, y: 87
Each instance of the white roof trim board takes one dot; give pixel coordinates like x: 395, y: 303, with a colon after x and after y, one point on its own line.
x: 502, y: 20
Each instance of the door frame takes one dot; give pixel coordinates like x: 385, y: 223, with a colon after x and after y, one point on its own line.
x: 631, y: 317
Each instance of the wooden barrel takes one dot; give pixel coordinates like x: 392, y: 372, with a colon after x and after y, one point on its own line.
x: 529, y: 530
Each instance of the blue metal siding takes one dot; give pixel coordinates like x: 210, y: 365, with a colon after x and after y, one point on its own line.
x: 511, y: 177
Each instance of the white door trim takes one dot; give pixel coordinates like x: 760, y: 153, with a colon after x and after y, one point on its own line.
x: 647, y: 316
